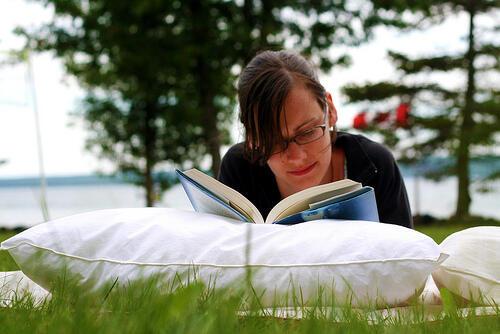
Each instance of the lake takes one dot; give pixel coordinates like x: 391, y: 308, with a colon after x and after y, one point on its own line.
x: 19, y: 204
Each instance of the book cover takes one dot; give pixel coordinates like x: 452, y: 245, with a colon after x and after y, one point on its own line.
x: 204, y: 200
x: 344, y: 199
x: 357, y: 205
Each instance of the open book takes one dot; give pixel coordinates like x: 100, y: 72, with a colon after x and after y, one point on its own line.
x: 344, y: 199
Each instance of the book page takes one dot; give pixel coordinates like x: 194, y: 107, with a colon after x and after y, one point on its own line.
x: 208, y: 204
x: 300, y: 201
x: 338, y: 198
x: 229, y: 195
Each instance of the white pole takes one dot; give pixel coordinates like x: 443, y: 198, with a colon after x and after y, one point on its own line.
x: 43, y: 181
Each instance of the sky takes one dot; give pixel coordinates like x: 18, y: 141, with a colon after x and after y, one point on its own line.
x: 57, y: 95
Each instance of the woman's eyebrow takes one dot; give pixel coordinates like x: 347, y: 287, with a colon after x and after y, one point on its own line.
x: 307, y: 122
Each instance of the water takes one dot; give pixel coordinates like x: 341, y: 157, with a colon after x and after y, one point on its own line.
x: 19, y: 205
x: 439, y: 198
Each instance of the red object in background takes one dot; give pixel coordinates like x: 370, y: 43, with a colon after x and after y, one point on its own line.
x: 359, y: 121
x: 382, y: 117
x: 402, y: 113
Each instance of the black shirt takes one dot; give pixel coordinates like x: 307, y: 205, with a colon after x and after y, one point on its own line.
x: 367, y: 162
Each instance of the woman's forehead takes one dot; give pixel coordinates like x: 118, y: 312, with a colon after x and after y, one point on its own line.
x: 300, y: 109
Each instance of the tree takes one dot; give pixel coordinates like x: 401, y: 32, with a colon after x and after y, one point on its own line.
x: 460, y: 121
x: 160, y: 74
x: 126, y: 56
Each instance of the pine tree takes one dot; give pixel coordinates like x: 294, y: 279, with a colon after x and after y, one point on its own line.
x: 462, y: 122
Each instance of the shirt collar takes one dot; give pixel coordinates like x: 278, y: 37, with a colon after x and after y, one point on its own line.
x: 359, y: 165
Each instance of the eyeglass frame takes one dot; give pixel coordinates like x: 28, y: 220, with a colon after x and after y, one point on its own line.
x: 294, y: 138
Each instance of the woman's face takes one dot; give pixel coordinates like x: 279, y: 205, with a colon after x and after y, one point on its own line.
x: 302, y: 166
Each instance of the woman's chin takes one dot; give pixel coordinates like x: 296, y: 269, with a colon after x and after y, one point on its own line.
x: 305, y: 184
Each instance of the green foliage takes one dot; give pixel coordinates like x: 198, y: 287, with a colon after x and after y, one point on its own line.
x: 142, y: 107
x: 439, y: 63
x: 460, y: 122
x: 160, y: 74
x: 382, y: 90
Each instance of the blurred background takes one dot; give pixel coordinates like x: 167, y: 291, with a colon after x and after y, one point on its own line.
x: 101, y: 100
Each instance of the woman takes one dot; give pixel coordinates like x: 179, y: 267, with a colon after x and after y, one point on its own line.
x: 291, y: 143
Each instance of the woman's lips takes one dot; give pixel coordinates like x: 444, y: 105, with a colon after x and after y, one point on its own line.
x: 303, y: 171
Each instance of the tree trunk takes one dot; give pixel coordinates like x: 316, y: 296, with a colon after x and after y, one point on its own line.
x: 149, y: 148
x: 206, y: 94
x: 212, y: 132
x: 465, y: 131
x: 212, y: 135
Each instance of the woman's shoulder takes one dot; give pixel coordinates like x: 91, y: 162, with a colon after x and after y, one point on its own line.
x: 360, y: 144
x: 365, y: 157
x: 234, y: 162
x: 236, y: 149
x: 235, y: 154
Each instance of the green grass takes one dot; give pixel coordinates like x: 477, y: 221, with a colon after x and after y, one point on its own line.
x: 145, y: 307
x: 142, y: 307
x: 6, y: 261
x: 440, y: 229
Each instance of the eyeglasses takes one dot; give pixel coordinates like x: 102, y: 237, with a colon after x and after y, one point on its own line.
x: 305, y: 137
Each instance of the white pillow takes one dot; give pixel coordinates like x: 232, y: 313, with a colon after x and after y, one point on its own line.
x: 15, y: 285
x: 472, y: 270
x: 370, y: 262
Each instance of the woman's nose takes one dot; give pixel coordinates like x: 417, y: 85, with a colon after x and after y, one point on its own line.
x: 294, y: 151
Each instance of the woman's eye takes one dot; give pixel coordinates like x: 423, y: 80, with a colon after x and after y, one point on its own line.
x: 306, y: 134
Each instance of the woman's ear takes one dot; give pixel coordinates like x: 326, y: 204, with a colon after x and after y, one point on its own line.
x: 332, y: 112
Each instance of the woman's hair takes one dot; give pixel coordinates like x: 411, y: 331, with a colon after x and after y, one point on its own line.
x: 262, y: 89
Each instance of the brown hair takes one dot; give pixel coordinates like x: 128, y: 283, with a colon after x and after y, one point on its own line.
x: 262, y: 89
